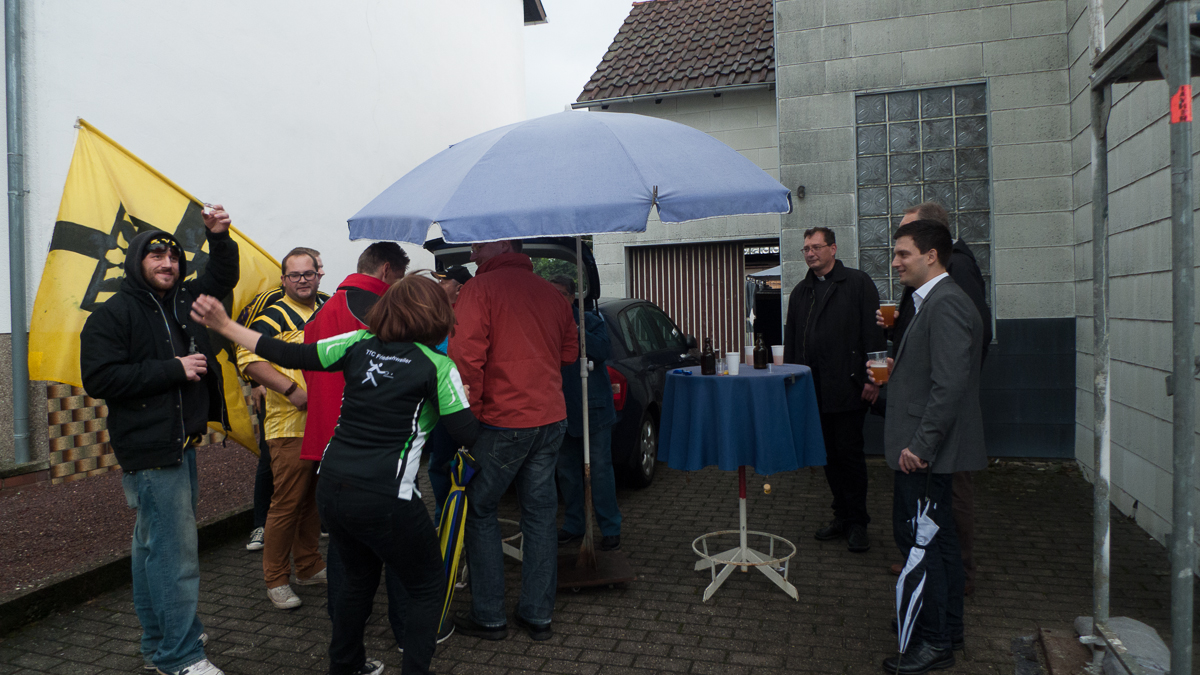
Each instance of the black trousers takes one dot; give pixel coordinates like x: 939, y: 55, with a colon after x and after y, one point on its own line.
x: 941, y: 617
x: 264, y: 480
x: 366, y: 530
x: 846, y: 465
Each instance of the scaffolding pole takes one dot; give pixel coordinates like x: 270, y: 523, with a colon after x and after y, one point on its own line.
x: 1183, y: 319
x: 1102, y: 423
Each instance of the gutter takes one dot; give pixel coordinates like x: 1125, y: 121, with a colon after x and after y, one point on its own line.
x: 16, y: 229
x: 603, y: 103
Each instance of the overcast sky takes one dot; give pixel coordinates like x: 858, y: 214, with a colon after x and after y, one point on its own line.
x: 561, y: 55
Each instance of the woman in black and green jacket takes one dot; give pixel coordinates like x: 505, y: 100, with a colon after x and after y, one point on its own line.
x: 397, y: 389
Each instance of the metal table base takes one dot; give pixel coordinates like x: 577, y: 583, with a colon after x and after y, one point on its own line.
x: 743, y: 556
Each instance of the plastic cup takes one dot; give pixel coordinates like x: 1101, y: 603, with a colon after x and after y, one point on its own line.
x: 733, y: 362
x: 877, y: 362
x: 777, y: 355
x: 888, y: 310
x: 750, y: 355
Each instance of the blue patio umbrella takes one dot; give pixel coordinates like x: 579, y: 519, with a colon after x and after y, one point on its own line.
x: 574, y: 174
x: 571, y: 173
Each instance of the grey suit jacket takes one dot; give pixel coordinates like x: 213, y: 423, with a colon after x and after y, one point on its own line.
x: 933, y: 392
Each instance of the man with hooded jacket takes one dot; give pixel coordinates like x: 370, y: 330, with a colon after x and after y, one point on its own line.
x: 156, y: 371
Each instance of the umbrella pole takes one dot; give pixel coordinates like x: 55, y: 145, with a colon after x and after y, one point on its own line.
x: 587, y: 550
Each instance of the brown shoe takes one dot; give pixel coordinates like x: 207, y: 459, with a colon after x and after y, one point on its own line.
x: 896, y: 569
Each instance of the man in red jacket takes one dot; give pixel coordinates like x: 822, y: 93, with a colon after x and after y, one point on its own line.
x: 380, y: 265
x: 514, y: 334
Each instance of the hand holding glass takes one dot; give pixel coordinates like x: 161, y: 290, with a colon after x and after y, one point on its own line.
x: 877, y: 363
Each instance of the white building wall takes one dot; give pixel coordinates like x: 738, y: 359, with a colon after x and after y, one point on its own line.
x: 1140, y: 273
x: 293, y: 114
x: 745, y: 120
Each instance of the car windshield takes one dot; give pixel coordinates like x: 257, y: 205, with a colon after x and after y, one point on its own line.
x: 650, y: 330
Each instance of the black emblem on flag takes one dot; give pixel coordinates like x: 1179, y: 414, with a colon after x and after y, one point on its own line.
x: 109, y: 248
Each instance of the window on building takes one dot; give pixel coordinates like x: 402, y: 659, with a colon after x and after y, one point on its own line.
x: 919, y: 146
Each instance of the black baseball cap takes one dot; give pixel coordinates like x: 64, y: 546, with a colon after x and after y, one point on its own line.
x: 457, y: 272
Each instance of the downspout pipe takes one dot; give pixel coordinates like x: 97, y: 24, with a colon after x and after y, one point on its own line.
x: 13, y: 105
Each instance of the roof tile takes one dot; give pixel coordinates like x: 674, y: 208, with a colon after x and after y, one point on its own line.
x: 675, y: 45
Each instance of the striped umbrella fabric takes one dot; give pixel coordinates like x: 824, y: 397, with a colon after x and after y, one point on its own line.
x: 462, y: 468
x: 911, y: 585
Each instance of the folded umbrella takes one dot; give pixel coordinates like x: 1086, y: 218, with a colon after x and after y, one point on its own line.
x: 911, y: 585
x: 462, y: 468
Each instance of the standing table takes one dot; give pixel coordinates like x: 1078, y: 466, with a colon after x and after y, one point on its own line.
x: 763, y: 419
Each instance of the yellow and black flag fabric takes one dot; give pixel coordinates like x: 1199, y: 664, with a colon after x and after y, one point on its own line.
x: 109, y: 198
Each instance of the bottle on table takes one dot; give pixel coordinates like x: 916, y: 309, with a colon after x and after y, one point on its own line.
x: 761, y: 357
x: 708, y: 358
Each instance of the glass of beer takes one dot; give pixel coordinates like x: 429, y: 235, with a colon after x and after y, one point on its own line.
x: 877, y: 362
x: 888, y: 310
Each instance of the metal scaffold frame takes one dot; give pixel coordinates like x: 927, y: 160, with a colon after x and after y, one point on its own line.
x: 1163, y: 43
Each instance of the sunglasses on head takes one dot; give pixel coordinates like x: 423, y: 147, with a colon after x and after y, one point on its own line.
x: 162, y: 246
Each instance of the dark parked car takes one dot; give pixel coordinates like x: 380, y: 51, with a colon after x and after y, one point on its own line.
x: 646, y: 344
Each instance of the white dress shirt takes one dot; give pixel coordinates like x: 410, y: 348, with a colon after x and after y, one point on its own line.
x: 920, y: 293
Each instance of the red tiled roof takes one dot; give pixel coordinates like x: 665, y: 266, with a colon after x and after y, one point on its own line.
x: 677, y: 45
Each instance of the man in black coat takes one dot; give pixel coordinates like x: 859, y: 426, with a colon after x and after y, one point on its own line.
x: 964, y: 270
x: 156, y: 370
x: 831, y: 328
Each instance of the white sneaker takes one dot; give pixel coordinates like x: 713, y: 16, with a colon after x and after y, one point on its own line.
x: 256, y: 540
x: 199, y: 668
x: 371, y: 667
x: 283, y: 597
x: 151, y: 668
x: 318, y: 578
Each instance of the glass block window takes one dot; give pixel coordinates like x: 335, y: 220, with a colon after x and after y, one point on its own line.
x: 920, y: 146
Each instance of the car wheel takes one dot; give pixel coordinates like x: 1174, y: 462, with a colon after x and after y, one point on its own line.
x: 643, y: 461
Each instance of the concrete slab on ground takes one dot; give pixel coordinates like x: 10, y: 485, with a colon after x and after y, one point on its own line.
x: 1033, y: 546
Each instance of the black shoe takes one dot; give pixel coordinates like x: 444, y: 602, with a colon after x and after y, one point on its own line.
x: 919, y: 659
x: 836, y: 529
x: 535, y: 632
x: 565, y: 537
x: 957, y: 644
x: 610, y: 543
x: 464, y: 624
x: 857, y: 540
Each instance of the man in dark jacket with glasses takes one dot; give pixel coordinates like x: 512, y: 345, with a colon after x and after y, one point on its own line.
x: 831, y: 329
x: 157, y: 372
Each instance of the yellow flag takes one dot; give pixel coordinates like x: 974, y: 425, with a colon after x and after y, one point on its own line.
x: 110, y: 197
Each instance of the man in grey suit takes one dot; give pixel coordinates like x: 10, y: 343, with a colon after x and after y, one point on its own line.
x: 933, y: 417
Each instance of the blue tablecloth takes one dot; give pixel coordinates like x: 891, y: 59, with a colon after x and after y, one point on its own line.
x: 766, y: 420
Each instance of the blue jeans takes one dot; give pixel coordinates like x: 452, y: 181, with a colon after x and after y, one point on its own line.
x: 527, y: 457
x: 440, y: 448
x: 604, y: 485
x: 166, y: 562
x: 941, y: 617
x: 367, y: 530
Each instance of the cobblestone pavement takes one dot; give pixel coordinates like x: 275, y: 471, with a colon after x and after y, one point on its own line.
x: 1034, y: 547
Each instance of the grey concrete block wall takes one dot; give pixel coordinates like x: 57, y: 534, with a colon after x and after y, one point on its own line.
x: 39, y: 440
x: 1020, y: 50
x: 746, y: 121
x: 1139, y: 268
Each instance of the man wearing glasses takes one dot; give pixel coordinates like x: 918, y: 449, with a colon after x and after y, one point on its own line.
x: 292, y: 528
x: 264, y: 482
x: 157, y: 372
x: 831, y: 328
